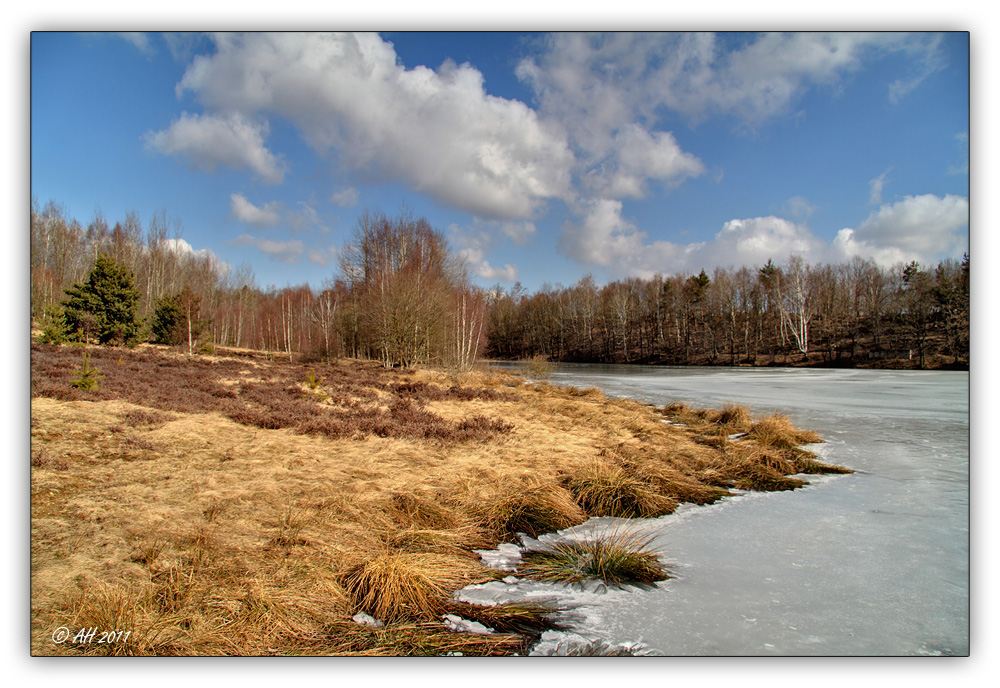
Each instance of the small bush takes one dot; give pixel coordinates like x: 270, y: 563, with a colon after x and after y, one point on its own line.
x: 538, y: 368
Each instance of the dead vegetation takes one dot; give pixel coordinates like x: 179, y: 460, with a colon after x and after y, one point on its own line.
x: 230, y: 506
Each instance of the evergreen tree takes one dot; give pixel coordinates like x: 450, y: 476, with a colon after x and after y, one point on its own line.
x: 106, y: 305
x: 54, y: 327
x: 167, y: 321
x: 178, y: 319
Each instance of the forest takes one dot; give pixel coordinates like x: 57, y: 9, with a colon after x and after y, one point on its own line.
x: 400, y: 296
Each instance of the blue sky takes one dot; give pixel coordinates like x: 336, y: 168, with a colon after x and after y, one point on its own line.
x: 542, y: 158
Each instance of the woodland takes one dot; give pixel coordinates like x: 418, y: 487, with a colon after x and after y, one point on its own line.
x: 401, y: 297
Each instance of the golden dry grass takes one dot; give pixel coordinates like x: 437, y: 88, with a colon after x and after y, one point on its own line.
x: 203, y: 535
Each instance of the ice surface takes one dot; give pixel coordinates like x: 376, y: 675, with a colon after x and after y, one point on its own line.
x: 872, y: 563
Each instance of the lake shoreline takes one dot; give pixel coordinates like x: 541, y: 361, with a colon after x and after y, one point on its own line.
x: 307, y: 494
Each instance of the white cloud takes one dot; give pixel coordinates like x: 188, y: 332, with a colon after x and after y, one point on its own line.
x: 346, y: 198
x: 183, y: 248
x: 474, y: 243
x: 323, y: 255
x: 754, y: 241
x: 927, y: 60
x: 245, y: 211
x: 799, y: 207
x: 281, y: 251
x: 207, y: 141
x: 139, y: 40
x: 875, y: 188
x: 639, y: 156
x: 597, y: 82
x: 924, y: 228
x: 604, y: 238
x: 521, y: 233
x: 438, y: 131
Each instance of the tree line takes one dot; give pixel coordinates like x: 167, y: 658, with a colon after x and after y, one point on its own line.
x: 847, y: 314
x: 402, y: 297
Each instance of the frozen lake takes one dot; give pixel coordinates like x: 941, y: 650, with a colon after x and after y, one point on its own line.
x: 872, y: 563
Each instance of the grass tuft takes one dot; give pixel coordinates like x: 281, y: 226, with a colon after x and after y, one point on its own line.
x: 603, y: 489
x: 777, y: 431
x: 405, y: 586
x: 617, y: 558
x: 532, y: 509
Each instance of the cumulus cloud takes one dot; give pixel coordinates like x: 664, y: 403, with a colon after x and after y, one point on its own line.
x: 208, y: 141
x: 924, y: 228
x: 640, y: 156
x: 182, y: 248
x: 281, y: 251
x: 245, y: 211
x: 436, y: 130
x: 602, y: 237
x: 754, y: 241
x: 472, y: 245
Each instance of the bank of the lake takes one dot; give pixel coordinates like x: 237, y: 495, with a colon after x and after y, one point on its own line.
x: 231, y: 504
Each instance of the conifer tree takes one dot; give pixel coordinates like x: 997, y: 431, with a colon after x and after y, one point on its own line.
x: 106, y: 305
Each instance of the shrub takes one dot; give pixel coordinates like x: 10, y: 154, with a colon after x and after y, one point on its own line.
x: 538, y: 367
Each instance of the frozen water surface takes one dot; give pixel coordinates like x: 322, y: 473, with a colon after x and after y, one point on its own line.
x: 872, y: 563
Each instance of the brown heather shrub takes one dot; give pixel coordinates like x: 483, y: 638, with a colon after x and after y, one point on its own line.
x: 151, y: 419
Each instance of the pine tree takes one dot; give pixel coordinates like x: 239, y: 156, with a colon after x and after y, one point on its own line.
x: 54, y: 327
x: 178, y: 319
x: 106, y: 305
x: 87, y: 376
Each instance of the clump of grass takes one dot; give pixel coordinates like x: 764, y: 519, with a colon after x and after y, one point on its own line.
x: 603, y: 489
x: 805, y: 463
x: 617, y: 558
x: 777, y: 431
x: 145, y: 628
x: 405, y: 586
x: 532, y: 509
x: 734, y: 417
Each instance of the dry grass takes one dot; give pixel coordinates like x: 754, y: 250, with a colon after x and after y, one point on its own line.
x: 617, y: 558
x: 219, y: 506
x: 604, y: 489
